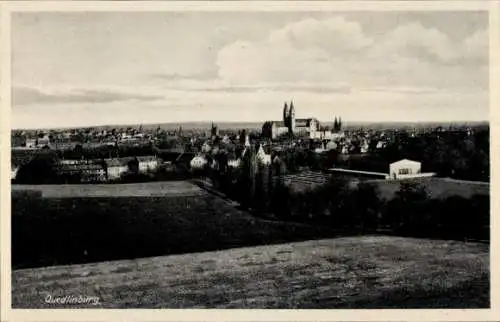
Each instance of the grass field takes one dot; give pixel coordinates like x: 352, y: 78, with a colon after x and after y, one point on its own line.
x: 436, y: 187
x: 148, y: 189
x: 356, y: 272
x: 57, y: 231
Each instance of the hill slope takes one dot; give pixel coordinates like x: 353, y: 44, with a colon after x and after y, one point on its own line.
x: 355, y: 272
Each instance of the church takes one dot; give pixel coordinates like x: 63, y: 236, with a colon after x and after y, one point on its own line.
x: 308, y: 127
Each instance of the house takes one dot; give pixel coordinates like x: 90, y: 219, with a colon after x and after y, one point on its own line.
x: 381, y: 144
x: 147, y: 163
x: 13, y: 172
x: 404, y: 168
x: 72, y: 161
x: 116, y: 167
x: 198, y: 162
x: 331, y: 145
x: 31, y: 143
x: 364, y: 148
x: 234, y: 163
x: 206, y: 147
x: 262, y: 156
x: 87, y: 173
x: 42, y: 142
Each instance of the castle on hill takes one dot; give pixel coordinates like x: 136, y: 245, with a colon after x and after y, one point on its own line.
x: 299, y: 127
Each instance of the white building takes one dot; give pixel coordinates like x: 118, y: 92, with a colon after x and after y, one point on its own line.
x: 13, y: 172
x: 31, y: 143
x: 381, y: 144
x: 405, y: 168
x: 41, y: 142
x: 115, y: 168
x: 234, y: 163
x: 326, y: 135
x: 262, y: 156
x: 205, y: 148
x: 330, y: 145
x: 147, y: 163
x: 198, y: 162
x: 72, y: 161
x: 364, y: 147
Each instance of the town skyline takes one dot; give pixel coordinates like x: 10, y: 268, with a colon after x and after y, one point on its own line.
x: 120, y: 68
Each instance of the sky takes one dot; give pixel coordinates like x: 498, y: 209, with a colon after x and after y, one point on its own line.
x: 97, y: 68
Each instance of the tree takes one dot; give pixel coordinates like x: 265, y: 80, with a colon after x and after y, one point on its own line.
x: 336, y: 193
x: 407, y: 209
x: 242, y: 137
x: 412, y: 192
x: 261, y: 196
x: 280, y: 203
x: 41, y: 169
x: 366, y: 206
x: 246, y: 182
x: 78, y: 151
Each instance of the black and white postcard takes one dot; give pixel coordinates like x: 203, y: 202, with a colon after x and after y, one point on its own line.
x: 287, y: 156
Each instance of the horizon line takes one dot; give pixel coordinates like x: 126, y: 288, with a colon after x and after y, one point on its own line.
x: 180, y: 123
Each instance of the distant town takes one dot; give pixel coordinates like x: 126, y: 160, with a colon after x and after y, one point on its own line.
x: 117, y: 154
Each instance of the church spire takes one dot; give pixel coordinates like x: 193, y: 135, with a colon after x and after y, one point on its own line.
x: 285, y: 114
x: 291, y: 125
x: 292, y: 109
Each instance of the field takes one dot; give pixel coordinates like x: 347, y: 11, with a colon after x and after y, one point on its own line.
x: 436, y: 187
x: 60, y: 230
x: 148, y: 189
x: 355, y: 272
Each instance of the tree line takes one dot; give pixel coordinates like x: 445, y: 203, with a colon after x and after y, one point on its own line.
x: 354, y: 209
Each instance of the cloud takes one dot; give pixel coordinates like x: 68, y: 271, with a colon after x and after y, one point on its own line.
x: 178, y: 76
x: 222, y: 86
x: 337, y: 50
x: 402, y: 90
x: 476, y: 47
x: 23, y: 95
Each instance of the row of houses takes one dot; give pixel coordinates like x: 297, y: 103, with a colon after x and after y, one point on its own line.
x: 200, y: 161
x: 110, y: 169
x: 102, y: 170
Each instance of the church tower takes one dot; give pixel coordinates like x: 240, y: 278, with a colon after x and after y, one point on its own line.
x: 214, y: 131
x: 285, y: 115
x: 292, y: 118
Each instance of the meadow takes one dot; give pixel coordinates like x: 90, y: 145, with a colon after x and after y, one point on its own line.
x: 174, y: 245
x: 147, y: 189
x: 436, y: 187
x: 347, y: 273
x: 61, y: 230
